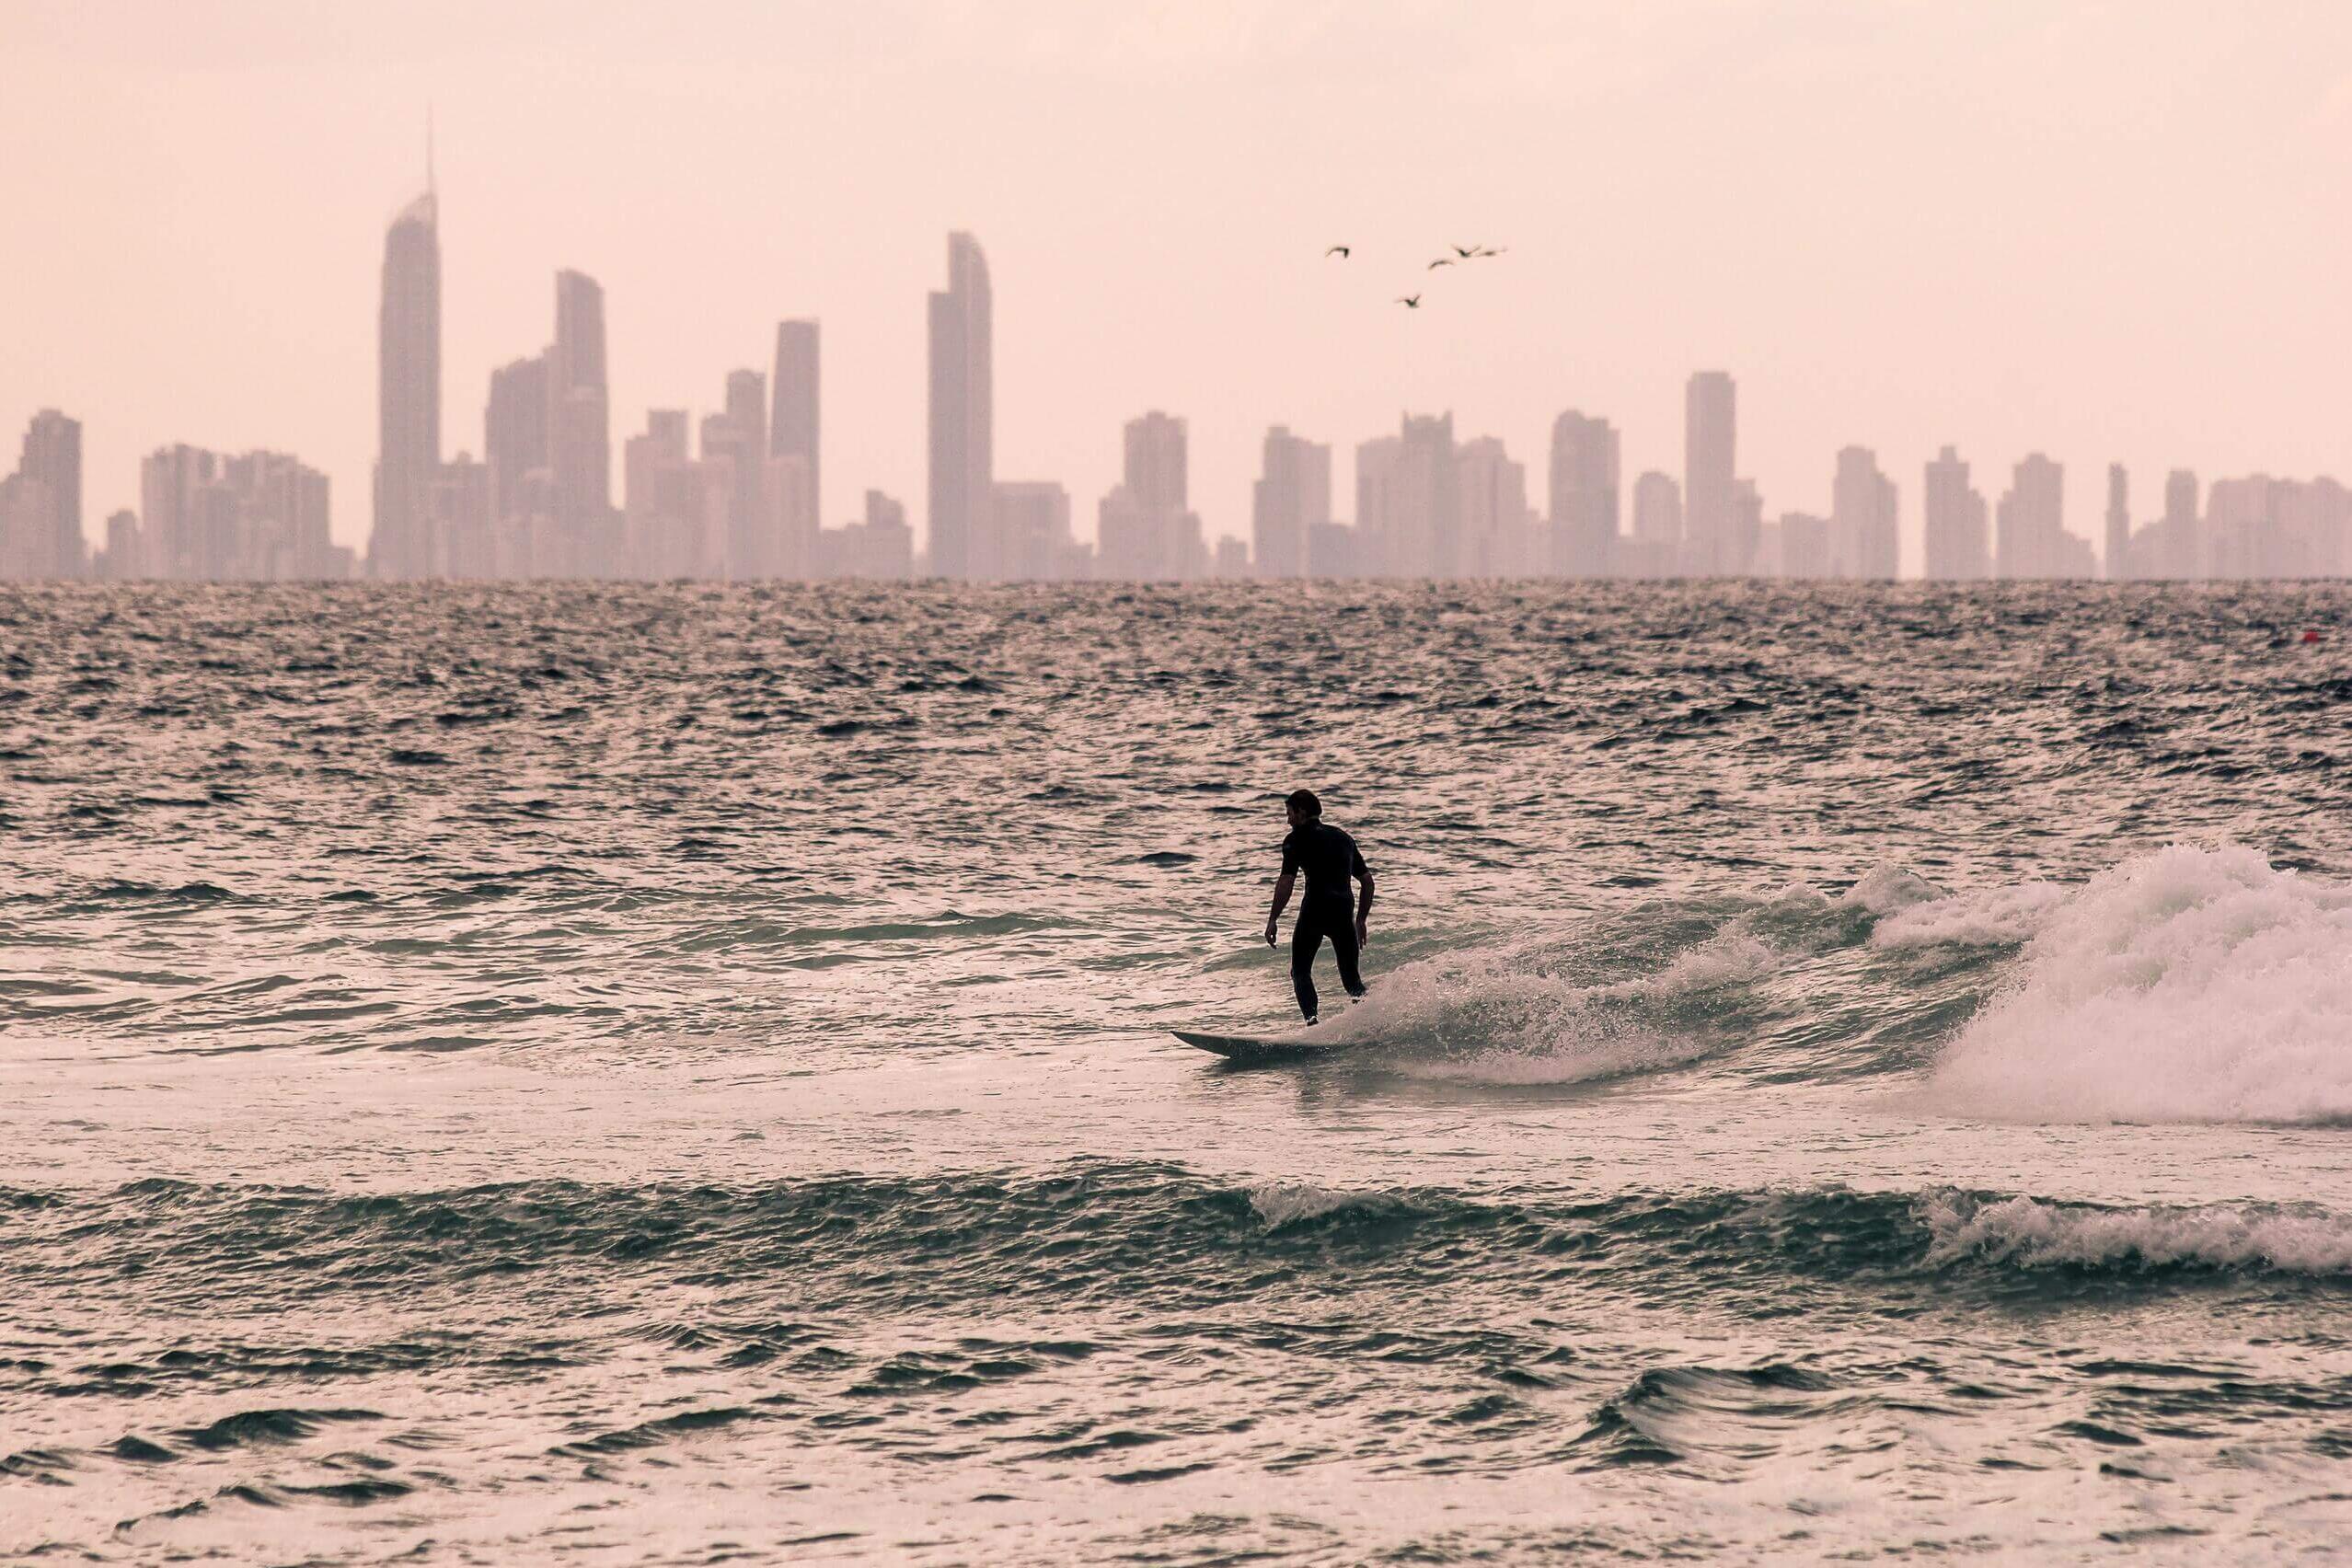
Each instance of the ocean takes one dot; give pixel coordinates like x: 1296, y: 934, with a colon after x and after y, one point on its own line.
x: 619, y: 1074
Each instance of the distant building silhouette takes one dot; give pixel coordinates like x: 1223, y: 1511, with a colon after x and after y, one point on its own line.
x: 1582, y: 540
x: 1231, y: 559
x: 1408, y: 500
x: 1654, y: 548
x: 518, y: 455
x: 962, y: 419
x: 1864, y: 516
x: 261, y: 516
x: 2117, y: 565
x: 1033, y: 520
x: 1494, y: 531
x: 1958, y: 539
x: 2031, y: 540
x: 1145, y: 530
x: 585, y: 539
x: 662, y: 504
x: 1291, y: 497
x: 408, y: 393
x: 41, y: 525
x: 793, y: 424
x: 879, y: 547
x: 1712, y: 525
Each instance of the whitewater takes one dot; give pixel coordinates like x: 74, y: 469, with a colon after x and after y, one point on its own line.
x: 677, y: 1074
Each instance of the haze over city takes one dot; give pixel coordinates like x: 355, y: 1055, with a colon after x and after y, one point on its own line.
x: 2111, y: 233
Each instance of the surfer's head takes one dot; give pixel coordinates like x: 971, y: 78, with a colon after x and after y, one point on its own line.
x: 1303, y: 808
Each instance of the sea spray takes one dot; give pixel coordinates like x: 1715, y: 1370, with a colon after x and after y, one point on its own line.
x: 2192, y: 984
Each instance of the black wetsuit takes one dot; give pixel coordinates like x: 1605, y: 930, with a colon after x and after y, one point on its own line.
x: 1329, y: 857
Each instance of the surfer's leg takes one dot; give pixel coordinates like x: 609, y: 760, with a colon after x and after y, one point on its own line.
x: 1342, y: 935
x: 1303, y: 944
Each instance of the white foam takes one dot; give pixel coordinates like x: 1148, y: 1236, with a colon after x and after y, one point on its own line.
x: 2037, y: 1233
x: 1503, y: 1015
x: 1284, y: 1203
x: 2188, y: 985
x: 2000, y: 918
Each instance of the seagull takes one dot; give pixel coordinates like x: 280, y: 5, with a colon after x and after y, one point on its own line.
x: 1338, y: 251
x: 1441, y: 262
x: 1467, y: 251
x: 1411, y: 301
x: 1493, y: 250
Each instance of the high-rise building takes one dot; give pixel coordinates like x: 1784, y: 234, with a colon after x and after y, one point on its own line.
x: 1864, y: 518
x: 1958, y: 546
x: 585, y: 533
x: 1032, y: 519
x: 2032, y: 540
x: 263, y: 516
x: 1292, y: 495
x: 408, y: 447
x: 793, y: 426
x: 1711, y: 527
x: 124, y: 560
x: 1806, y: 551
x: 787, y: 545
x: 1146, y: 531
x: 2117, y: 565
x: 756, y: 529
x: 1493, y: 533
x: 1408, y: 500
x: 2181, y: 550
x: 962, y: 419
x: 1583, y: 517
x: 661, y: 498
x: 1231, y: 559
x: 515, y: 431
x: 463, y: 528
x: 51, y: 543
x: 26, y: 514
x: 1653, y: 547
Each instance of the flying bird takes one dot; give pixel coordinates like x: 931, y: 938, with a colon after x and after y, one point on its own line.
x: 1411, y: 301
x: 1441, y: 262
x: 1466, y: 251
x: 1338, y: 251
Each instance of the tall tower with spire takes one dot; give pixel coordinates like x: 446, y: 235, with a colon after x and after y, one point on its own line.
x: 407, y: 448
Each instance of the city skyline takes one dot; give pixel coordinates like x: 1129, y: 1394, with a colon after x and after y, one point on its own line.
x: 224, y: 174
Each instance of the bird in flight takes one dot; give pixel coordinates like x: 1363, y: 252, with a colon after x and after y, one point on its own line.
x: 1441, y: 262
x: 1338, y: 251
x: 1411, y: 301
x: 1467, y: 251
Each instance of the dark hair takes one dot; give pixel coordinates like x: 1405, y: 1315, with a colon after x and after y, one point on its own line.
x: 1304, y: 801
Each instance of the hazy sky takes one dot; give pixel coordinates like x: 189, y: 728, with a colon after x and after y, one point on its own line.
x: 2110, y: 229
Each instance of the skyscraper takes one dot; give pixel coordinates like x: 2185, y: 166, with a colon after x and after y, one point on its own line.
x: 408, y: 447
x: 515, y: 449
x: 1493, y: 536
x: 1958, y: 544
x: 755, y: 532
x: 51, y: 457
x: 1709, y: 476
x: 580, y: 436
x: 1583, y: 538
x: 1145, y: 529
x: 1653, y: 547
x: 1292, y: 495
x: 2117, y: 565
x: 1408, y: 501
x: 1862, y: 517
x: 2183, y: 551
x: 792, y: 425
x: 2032, y: 540
x: 963, y: 443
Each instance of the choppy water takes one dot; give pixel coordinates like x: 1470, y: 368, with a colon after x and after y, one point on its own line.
x: 676, y: 1076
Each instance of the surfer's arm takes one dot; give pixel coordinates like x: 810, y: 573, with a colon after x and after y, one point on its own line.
x: 1363, y: 900
x: 1281, y: 901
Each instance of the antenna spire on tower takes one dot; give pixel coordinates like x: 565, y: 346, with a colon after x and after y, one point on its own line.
x: 430, y: 188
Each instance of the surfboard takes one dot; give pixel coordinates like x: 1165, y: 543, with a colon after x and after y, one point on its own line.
x: 1254, y: 1049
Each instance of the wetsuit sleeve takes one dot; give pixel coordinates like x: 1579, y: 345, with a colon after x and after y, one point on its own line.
x: 1355, y: 866
x: 1289, y: 853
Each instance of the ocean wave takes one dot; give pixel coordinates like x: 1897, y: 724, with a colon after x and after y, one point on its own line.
x: 1104, y: 1232
x: 2035, y: 1233
x: 2192, y: 984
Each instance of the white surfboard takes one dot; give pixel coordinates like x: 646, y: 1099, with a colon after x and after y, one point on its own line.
x: 1256, y: 1048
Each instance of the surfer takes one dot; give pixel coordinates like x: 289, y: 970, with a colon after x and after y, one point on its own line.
x: 1329, y: 858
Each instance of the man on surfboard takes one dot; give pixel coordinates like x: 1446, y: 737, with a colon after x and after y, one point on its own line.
x: 1329, y: 858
